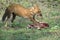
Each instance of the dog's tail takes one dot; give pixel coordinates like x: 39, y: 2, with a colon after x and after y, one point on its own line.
x: 5, y: 15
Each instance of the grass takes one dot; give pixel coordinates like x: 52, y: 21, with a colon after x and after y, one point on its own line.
x: 20, y: 31
x: 29, y: 34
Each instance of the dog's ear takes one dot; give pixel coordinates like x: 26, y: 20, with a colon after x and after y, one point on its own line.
x: 36, y: 5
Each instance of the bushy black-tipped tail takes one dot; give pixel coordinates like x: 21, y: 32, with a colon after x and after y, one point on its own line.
x: 5, y: 15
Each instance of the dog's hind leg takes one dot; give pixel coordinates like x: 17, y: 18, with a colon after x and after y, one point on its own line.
x: 12, y: 19
x: 14, y: 16
x: 6, y: 22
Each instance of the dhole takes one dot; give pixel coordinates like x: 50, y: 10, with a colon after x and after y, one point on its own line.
x: 18, y: 10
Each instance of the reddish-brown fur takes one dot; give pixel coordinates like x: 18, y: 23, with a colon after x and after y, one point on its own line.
x: 19, y: 10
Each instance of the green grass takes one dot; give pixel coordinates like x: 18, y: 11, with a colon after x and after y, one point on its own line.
x: 20, y: 31
x: 29, y: 34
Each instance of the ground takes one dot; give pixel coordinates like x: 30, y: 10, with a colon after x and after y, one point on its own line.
x: 51, y: 14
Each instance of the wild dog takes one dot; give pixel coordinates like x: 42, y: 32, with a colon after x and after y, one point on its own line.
x: 18, y: 10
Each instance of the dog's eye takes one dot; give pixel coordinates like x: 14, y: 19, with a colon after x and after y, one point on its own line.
x: 39, y: 11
